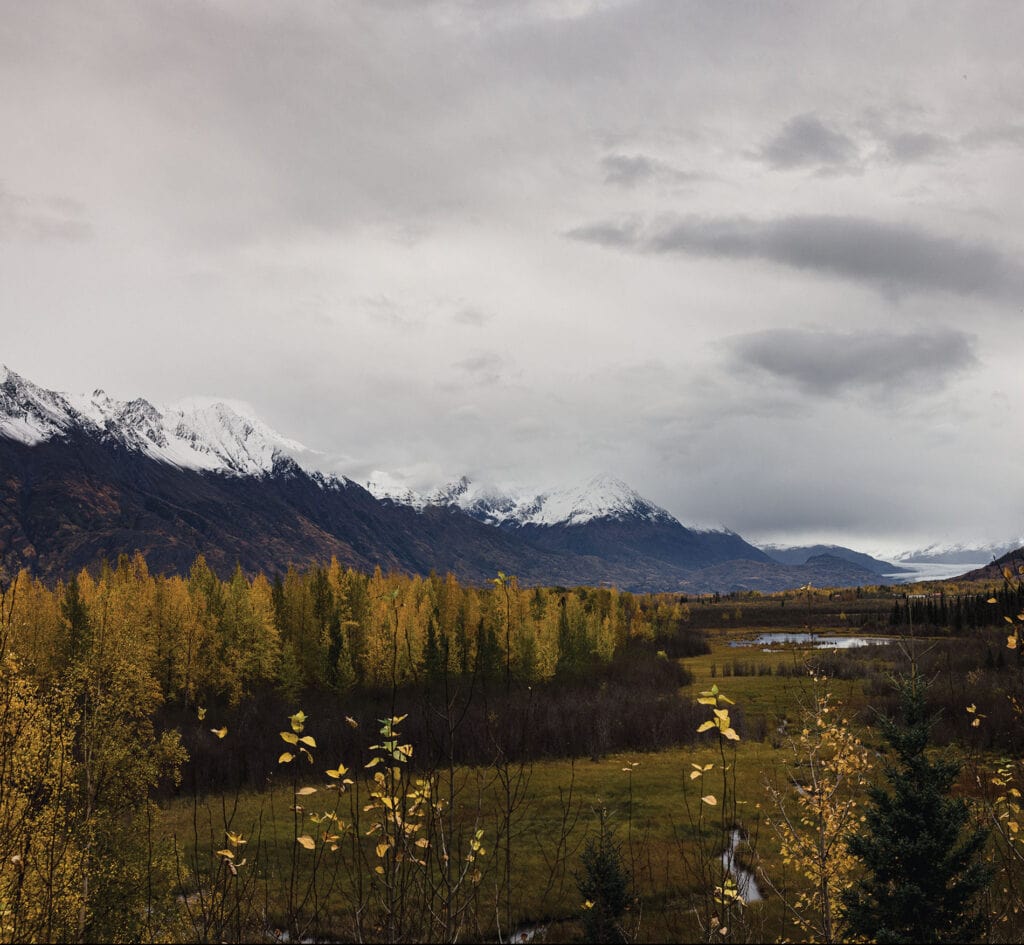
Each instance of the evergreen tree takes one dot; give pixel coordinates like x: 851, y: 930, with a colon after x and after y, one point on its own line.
x: 489, y: 662
x: 76, y: 615
x: 434, y: 663
x: 922, y: 875
x: 604, y: 885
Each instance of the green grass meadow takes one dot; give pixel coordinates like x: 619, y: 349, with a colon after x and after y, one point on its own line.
x: 649, y: 799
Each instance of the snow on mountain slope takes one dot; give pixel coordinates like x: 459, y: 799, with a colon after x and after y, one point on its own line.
x: 29, y: 413
x: 601, y: 497
x: 382, y: 485
x: 485, y: 503
x: 205, y: 435
x: 969, y: 552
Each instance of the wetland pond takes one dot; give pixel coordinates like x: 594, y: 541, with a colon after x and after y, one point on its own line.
x: 772, y: 639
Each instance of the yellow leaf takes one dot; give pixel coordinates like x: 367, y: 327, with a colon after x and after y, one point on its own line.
x: 710, y: 800
x: 695, y: 774
x: 306, y: 841
x: 290, y: 737
x: 285, y: 757
x: 991, y: 600
x: 220, y: 732
x: 972, y: 708
x: 308, y: 740
x: 730, y: 733
x: 975, y: 723
x: 351, y: 722
x: 304, y: 791
x: 704, y: 726
x: 227, y: 854
x: 201, y: 712
x: 1011, y: 641
x: 382, y: 848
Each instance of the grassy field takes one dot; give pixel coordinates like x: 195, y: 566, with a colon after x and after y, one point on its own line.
x: 648, y: 799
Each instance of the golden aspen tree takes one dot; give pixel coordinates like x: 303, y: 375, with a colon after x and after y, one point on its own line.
x: 816, y: 809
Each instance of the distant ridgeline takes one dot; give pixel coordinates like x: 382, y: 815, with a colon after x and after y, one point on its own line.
x: 89, y: 477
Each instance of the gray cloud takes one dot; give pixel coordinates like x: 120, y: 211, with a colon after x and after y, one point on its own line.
x: 388, y: 311
x: 911, y: 147
x: 41, y: 218
x: 334, y: 196
x: 484, y: 368
x: 628, y: 170
x: 1010, y: 133
x: 622, y: 235
x: 831, y: 362
x: 469, y: 315
x: 806, y: 141
x: 891, y: 257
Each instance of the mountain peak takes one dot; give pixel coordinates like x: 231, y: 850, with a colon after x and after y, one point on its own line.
x: 601, y: 496
x: 202, y: 434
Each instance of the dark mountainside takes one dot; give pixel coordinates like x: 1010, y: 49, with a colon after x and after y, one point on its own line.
x: 73, y: 500
x: 1014, y: 560
x: 803, y: 554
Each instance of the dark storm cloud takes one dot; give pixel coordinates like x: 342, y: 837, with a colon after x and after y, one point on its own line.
x: 806, y: 141
x: 830, y: 362
x: 41, y: 218
x: 891, y: 257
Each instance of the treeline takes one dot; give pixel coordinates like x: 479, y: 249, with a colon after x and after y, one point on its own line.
x: 959, y: 612
x: 331, y: 628
x: 579, y: 671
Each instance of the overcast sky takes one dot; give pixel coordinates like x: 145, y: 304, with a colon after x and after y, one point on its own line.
x: 761, y: 260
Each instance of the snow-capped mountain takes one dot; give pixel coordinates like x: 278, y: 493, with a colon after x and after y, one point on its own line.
x: 211, y: 436
x: 89, y: 477
x: 600, y: 497
x: 973, y: 553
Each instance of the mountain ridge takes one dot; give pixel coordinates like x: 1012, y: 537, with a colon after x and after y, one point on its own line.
x: 87, y: 477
